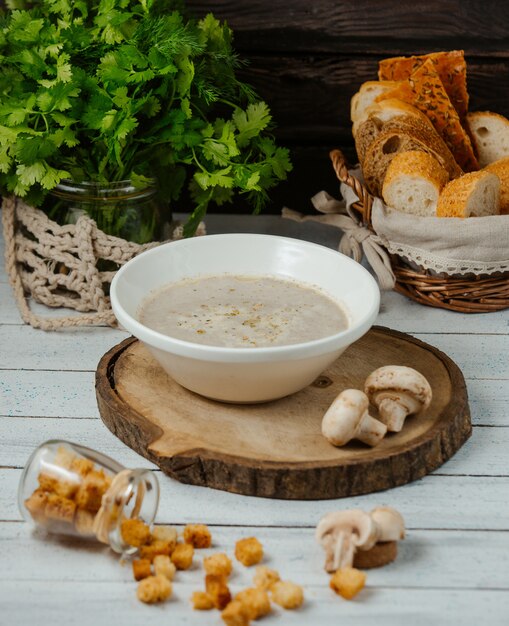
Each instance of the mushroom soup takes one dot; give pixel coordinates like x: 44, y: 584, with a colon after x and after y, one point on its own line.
x: 242, y: 311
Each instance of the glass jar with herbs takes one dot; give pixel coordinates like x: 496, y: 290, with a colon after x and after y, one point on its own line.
x: 121, y: 209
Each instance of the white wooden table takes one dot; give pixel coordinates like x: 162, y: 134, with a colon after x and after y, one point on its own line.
x: 453, y: 568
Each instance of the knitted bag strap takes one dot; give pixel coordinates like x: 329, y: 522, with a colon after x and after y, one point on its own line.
x: 85, y: 278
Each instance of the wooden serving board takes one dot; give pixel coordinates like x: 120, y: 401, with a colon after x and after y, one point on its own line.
x: 276, y: 449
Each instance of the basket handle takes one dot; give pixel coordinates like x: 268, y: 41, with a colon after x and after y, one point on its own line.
x: 365, y: 202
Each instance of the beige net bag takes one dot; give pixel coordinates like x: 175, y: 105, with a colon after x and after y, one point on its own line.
x: 60, y: 266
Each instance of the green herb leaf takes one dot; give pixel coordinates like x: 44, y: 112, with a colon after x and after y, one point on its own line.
x: 130, y: 89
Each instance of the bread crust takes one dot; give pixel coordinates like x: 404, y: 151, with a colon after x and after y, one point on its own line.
x: 501, y: 169
x: 425, y: 90
x: 493, y: 145
x: 454, y: 198
x: 426, y: 133
x: 450, y: 66
x: 381, y: 152
x: 358, y: 101
x: 416, y: 163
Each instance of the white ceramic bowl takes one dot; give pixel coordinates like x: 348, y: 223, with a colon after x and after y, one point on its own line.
x: 246, y: 374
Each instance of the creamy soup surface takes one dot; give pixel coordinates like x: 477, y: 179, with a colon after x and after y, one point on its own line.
x: 242, y: 311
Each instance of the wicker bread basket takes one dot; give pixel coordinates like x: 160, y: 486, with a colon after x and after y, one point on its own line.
x: 474, y: 294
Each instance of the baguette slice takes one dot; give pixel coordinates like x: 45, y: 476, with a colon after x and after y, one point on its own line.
x: 451, y: 68
x: 413, y: 183
x: 383, y: 150
x: 387, y: 110
x: 425, y: 132
x: 501, y: 169
x: 419, y: 128
x: 367, y: 95
x: 473, y: 195
x: 490, y: 132
x: 425, y: 90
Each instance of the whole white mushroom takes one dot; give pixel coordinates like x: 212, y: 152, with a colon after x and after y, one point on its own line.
x: 397, y: 391
x: 348, y: 418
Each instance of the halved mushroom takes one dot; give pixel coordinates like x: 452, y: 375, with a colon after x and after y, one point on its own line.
x: 342, y: 533
x: 348, y: 418
x: 397, y: 391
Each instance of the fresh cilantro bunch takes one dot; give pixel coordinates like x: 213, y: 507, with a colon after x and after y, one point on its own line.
x: 127, y: 89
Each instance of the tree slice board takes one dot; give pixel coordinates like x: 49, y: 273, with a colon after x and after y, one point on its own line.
x: 276, y: 449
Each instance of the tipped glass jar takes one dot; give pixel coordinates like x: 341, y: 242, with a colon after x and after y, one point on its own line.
x: 118, y: 208
x: 68, y: 489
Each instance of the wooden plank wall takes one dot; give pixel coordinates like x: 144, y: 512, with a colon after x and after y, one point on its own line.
x: 308, y: 57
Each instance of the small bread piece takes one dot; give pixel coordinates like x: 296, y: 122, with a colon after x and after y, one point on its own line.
x: 84, y: 522
x: 473, y: 195
x: 380, y: 554
x: 164, y: 567
x: 182, y: 556
x: 249, y: 551
x: 235, y: 614
x: 256, y: 601
x: 287, y: 594
x: 135, y: 532
x: 413, y: 183
x: 366, y: 96
x: 198, y: 535
x: 265, y: 577
x: 82, y: 466
x: 59, y: 508
x: 154, y: 589
x: 501, y: 169
x: 450, y: 66
x: 141, y: 569
x: 383, y: 150
x: 347, y: 582
x: 58, y: 484
x: 167, y: 534
x: 218, y: 590
x: 202, y: 601
x: 490, y: 133
x: 218, y: 564
x: 91, y: 490
x: 36, y: 505
x: 155, y: 548
x: 425, y: 90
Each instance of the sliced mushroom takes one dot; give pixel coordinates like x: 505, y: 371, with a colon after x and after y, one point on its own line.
x: 342, y: 533
x: 348, y: 418
x: 397, y: 391
x: 391, y: 525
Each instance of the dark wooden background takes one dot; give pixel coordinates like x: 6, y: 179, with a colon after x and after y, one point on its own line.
x: 308, y: 57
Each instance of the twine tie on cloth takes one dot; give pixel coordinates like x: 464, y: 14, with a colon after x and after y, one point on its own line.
x: 357, y: 240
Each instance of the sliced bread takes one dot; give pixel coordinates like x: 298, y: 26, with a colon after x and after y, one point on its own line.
x: 425, y: 90
x: 425, y: 132
x: 490, y: 132
x: 501, y: 169
x: 367, y: 95
x: 451, y: 68
x: 383, y: 150
x: 387, y: 110
x: 419, y: 128
x: 413, y: 183
x: 367, y: 133
x: 473, y: 195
